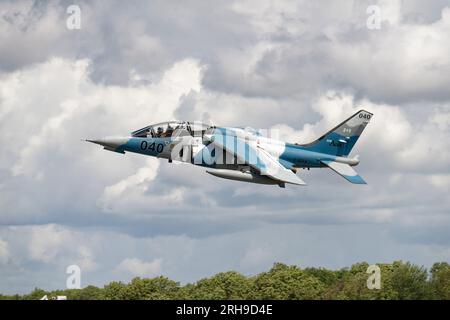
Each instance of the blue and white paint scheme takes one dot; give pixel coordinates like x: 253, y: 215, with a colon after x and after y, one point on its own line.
x: 246, y: 154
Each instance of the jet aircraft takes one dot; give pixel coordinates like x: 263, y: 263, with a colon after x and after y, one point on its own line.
x: 246, y: 154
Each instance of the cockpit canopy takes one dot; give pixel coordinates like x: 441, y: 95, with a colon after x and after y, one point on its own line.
x: 172, y: 129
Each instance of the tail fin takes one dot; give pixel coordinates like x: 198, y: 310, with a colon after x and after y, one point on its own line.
x: 340, y: 140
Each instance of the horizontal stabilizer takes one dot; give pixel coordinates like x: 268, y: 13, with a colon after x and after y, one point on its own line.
x: 345, y: 171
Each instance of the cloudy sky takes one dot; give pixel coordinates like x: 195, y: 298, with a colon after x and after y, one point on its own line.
x: 298, y: 66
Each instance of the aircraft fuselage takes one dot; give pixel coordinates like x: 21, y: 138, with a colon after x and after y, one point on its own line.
x: 246, y: 154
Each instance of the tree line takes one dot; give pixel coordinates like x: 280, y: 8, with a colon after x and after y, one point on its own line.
x: 398, y: 280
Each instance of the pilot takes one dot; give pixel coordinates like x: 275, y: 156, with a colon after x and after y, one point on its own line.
x: 169, y: 131
x: 159, y: 131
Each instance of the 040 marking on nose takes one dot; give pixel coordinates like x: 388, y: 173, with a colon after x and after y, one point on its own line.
x: 152, y: 146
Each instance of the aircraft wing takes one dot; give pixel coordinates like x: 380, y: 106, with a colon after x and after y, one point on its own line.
x: 345, y: 171
x: 259, y: 159
x: 276, y: 170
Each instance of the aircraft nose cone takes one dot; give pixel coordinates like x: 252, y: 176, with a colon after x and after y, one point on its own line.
x: 109, y: 142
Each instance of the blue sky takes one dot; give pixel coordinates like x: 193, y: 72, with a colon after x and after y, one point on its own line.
x: 297, y: 66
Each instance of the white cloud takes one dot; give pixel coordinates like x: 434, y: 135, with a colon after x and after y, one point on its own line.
x: 139, y: 268
x: 132, y: 193
x: 427, y: 144
x: 46, y: 242
x: 4, y: 251
x: 404, y: 62
x: 298, y: 67
x: 52, y: 244
x: 255, y: 257
x: 332, y: 48
x: 28, y: 32
x: 440, y: 180
x: 77, y: 106
x: 270, y: 17
x: 48, y: 109
x: 137, y: 182
x: 391, y: 11
x: 390, y: 134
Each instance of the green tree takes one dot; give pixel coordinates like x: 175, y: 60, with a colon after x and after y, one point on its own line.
x: 159, y: 288
x: 115, y: 291
x: 13, y: 297
x: 440, y: 280
x: 327, y: 277
x: 410, y: 281
x: 222, y: 286
x: 36, y: 294
x: 87, y: 293
x: 287, y: 282
x: 399, y: 280
x: 351, y: 284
